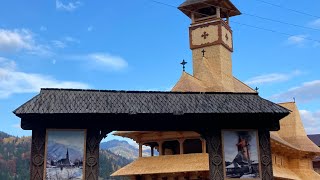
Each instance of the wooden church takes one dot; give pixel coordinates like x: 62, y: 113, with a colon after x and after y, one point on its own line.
x: 183, y: 155
x: 219, y: 127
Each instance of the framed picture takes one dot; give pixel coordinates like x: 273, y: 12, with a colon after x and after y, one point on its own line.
x: 241, y: 154
x: 65, y: 154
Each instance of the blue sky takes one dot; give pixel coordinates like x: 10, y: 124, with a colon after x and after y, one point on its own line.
x: 138, y: 45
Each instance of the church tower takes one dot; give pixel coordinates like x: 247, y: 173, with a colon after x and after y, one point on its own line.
x: 67, y: 155
x: 211, y: 43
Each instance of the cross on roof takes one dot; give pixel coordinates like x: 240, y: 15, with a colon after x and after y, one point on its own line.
x: 205, y: 35
x: 183, y: 63
x: 203, y: 51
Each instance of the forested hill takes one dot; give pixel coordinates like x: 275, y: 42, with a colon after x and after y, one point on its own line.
x: 15, y: 159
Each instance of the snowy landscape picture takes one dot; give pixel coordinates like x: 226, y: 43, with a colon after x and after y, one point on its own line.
x: 65, y: 150
x: 241, y: 154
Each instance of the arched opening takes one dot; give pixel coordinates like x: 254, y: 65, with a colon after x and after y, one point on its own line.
x: 192, y: 146
x: 152, y: 149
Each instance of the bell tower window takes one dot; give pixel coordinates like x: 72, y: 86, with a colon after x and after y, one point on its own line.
x: 205, y: 13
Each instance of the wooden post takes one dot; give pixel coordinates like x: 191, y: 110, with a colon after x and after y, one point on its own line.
x: 213, y: 140
x: 204, y: 146
x: 94, y: 136
x: 181, y: 141
x: 265, y: 155
x: 37, y: 163
x: 160, y: 148
x: 152, y: 150
x: 228, y: 17
x: 192, y: 17
x: 218, y: 12
x: 140, y: 149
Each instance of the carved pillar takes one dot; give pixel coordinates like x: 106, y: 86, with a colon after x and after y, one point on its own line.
x: 94, y: 136
x: 37, y: 154
x: 265, y: 155
x: 213, y: 139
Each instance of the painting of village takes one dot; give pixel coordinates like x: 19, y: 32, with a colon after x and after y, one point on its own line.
x: 241, y: 154
x: 65, y: 154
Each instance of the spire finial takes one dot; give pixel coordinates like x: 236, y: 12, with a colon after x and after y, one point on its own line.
x: 203, y: 51
x: 183, y: 63
x: 294, y: 99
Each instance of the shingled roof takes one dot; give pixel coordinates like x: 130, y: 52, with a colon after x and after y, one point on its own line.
x: 137, y: 110
x: 133, y: 102
x: 226, y: 5
x: 315, y: 138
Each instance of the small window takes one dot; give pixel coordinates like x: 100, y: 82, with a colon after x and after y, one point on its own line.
x: 205, y: 12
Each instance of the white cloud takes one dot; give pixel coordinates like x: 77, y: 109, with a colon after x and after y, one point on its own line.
x: 69, y: 6
x: 272, y: 78
x: 59, y: 44
x: 13, y: 81
x: 13, y: 40
x: 21, y: 39
x: 297, y: 39
x: 311, y: 121
x: 306, y: 92
x: 107, y: 61
x: 90, y: 28
x: 315, y: 23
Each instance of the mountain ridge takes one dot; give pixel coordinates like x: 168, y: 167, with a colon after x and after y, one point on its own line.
x: 123, y: 148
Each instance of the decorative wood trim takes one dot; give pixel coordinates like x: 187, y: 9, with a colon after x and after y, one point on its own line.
x: 220, y: 23
x: 213, y: 139
x: 265, y: 155
x: 37, y: 154
x: 94, y: 136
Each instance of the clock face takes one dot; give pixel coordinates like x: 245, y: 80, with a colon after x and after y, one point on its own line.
x: 204, y: 35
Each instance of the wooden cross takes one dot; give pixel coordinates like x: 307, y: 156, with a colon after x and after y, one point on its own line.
x: 183, y: 63
x: 227, y: 37
x: 203, y: 51
x: 205, y: 35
